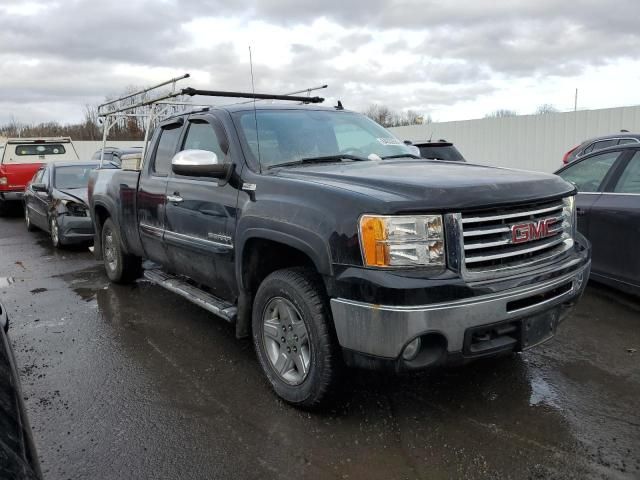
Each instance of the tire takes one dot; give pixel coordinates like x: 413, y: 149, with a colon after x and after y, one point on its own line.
x: 120, y: 267
x: 302, y: 290
x: 3, y: 208
x: 57, y: 240
x: 27, y: 220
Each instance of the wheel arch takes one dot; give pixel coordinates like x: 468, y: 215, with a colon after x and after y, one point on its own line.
x: 261, y: 251
x: 99, y: 215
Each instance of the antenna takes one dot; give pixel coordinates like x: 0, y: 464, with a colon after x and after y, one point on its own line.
x: 255, y: 112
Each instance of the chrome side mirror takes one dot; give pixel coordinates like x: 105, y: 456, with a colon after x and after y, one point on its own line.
x: 199, y: 163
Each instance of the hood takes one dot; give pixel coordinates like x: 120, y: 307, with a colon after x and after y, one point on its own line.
x: 79, y: 195
x: 434, y: 184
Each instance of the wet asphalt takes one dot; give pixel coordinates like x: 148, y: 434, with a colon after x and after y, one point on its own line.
x: 134, y: 382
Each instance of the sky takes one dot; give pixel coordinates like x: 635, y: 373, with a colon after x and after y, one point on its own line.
x: 449, y: 59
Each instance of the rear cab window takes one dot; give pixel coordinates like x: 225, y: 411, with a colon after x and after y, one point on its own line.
x: 166, y: 149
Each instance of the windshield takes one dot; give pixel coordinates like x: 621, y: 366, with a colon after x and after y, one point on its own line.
x: 287, y: 136
x: 75, y: 176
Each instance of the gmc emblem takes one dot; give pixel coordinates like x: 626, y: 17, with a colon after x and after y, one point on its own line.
x: 527, y: 232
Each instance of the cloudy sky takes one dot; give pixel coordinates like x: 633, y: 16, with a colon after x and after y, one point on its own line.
x: 451, y: 59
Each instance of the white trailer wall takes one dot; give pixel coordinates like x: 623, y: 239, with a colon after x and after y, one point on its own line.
x: 530, y: 142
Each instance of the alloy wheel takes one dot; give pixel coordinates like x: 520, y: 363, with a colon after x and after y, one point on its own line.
x: 286, y: 341
x: 55, y: 233
x: 109, y: 251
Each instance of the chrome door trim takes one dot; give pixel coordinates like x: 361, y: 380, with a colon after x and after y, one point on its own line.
x: 151, y: 230
x: 196, y: 242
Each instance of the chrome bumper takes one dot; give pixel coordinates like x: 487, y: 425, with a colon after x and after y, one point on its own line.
x: 383, y: 331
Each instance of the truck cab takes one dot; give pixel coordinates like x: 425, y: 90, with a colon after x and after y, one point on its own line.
x: 22, y: 158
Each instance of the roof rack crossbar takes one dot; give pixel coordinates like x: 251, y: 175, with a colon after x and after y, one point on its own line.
x: 143, y: 91
x: 258, y: 96
x: 305, y: 90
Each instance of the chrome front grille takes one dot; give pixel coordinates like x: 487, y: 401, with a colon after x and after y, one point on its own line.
x: 527, y: 235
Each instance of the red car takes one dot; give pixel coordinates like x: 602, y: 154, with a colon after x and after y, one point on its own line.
x: 21, y: 159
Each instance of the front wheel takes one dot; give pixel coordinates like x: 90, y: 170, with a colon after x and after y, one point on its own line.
x: 27, y: 220
x: 54, y: 229
x: 120, y: 267
x: 293, y: 337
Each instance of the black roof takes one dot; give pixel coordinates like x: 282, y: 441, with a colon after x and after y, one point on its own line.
x: 119, y: 149
x: 624, y: 146
x: 74, y: 164
x: 438, y: 143
x: 614, y: 135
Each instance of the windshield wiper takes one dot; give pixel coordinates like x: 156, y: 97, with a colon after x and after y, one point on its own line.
x: 324, y: 159
x: 404, y: 155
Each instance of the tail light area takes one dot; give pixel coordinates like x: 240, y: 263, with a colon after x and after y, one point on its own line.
x: 565, y: 159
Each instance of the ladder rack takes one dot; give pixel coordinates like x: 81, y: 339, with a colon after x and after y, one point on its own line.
x: 154, y: 103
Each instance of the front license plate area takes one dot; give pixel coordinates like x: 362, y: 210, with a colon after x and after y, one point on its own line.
x: 538, y: 328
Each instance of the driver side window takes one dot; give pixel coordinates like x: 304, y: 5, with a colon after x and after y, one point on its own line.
x: 588, y: 174
x: 202, y: 136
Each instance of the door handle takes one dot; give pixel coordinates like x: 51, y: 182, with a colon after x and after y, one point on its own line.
x: 176, y: 198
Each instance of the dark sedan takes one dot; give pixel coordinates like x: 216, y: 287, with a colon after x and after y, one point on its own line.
x: 608, y: 209
x: 17, y: 453
x: 599, y: 143
x: 56, y: 202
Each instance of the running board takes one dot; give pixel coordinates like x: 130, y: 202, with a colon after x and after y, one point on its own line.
x: 193, y: 294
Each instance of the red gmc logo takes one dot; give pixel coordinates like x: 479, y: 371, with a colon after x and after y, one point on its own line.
x: 527, y: 232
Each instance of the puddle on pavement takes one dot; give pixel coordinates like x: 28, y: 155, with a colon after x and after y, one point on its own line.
x: 86, y: 283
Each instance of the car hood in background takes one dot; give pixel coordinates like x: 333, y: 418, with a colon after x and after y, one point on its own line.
x: 80, y: 195
x: 436, y: 185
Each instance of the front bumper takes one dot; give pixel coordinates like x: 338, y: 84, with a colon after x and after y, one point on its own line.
x: 15, y: 196
x: 382, y: 332
x: 75, y: 229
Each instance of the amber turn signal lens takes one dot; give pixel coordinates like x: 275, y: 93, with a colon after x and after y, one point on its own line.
x: 374, y: 234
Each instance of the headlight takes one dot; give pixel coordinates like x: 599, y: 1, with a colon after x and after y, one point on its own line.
x: 569, y: 213
x: 402, y: 241
x: 74, y: 209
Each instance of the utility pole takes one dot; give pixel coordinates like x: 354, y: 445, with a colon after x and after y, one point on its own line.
x: 575, y: 101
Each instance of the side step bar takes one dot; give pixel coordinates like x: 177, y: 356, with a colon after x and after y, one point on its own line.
x: 193, y: 294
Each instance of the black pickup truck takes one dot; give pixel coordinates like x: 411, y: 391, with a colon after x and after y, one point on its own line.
x: 321, y: 236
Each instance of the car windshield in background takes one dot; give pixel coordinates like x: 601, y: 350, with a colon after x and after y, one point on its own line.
x: 75, y: 176
x: 288, y: 136
x: 39, y: 149
x: 441, y: 152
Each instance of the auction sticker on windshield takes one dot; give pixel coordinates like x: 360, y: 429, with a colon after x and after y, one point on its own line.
x: 389, y: 141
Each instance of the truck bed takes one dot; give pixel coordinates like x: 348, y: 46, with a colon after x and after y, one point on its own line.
x: 116, y: 189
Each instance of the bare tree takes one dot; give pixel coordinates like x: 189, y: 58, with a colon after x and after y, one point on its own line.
x: 501, y: 113
x: 131, y: 128
x: 546, y: 108
x: 379, y: 113
x: 389, y: 118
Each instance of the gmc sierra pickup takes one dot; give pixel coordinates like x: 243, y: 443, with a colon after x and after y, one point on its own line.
x: 321, y: 236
